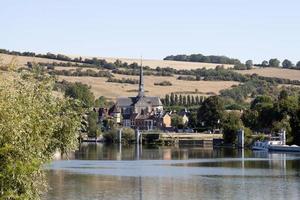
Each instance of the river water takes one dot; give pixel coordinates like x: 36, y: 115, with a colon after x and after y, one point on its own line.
x: 98, y: 171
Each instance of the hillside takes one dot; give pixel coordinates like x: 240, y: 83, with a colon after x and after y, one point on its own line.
x: 273, y: 72
x: 101, y: 87
x: 22, y: 60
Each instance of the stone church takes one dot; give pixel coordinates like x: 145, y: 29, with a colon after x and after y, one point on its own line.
x: 139, y: 112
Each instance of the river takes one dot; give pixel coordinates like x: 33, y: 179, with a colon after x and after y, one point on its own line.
x: 98, y: 171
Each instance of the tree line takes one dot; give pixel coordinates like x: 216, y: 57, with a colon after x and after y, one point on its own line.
x: 174, y: 99
x: 202, y: 58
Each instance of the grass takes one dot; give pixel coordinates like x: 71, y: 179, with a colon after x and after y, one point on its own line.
x: 100, y: 87
x: 273, y: 72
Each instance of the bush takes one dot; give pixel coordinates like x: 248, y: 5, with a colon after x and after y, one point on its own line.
x: 164, y: 83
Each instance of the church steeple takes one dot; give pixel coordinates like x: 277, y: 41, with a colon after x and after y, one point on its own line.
x: 141, y: 82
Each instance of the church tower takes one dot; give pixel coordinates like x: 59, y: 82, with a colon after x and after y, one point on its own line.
x: 141, y: 83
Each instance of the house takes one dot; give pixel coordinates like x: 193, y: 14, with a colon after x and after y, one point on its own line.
x: 139, y: 112
x: 167, y: 120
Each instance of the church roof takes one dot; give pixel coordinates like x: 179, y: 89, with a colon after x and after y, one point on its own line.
x: 142, y: 101
x: 125, y: 101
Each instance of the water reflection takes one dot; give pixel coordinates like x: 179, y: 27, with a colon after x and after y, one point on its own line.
x: 98, y: 171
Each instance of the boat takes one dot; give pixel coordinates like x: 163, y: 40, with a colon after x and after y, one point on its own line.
x: 275, y: 145
x: 265, y: 145
x: 285, y: 148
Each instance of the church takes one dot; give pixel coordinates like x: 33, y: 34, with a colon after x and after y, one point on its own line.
x: 140, y: 112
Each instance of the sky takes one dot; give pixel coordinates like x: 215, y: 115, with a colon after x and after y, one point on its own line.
x: 243, y: 29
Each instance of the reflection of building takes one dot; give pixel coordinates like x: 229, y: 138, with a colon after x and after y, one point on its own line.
x: 142, y: 112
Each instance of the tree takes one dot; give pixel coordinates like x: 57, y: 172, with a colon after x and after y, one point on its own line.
x: 211, y: 112
x: 232, y: 123
x: 176, y: 121
x: 189, y: 100
x: 298, y: 65
x: 172, y: 99
x: 81, y: 92
x: 287, y: 64
x: 265, y: 63
x: 93, y: 129
x: 176, y: 99
x: 274, y: 62
x: 184, y: 102
x: 34, y: 125
x: 250, y: 119
x: 249, y: 64
x: 167, y: 100
x: 180, y: 100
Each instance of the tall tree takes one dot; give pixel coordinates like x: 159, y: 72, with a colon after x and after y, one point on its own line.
x: 167, y: 100
x: 180, y: 100
x: 211, y: 112
x: 232, y: 123
x: 34, y: 124
x: 274, y: 62
x: 298, y: 65
x: 81, y: 92
x: 188, y: 100
x: 249, y: 64
x: 287, y: 64
x: 265, y: 63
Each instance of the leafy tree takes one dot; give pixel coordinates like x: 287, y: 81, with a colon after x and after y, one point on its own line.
x: 167, y: 99
x: 189, y: 100
x: 176, y: 121
x: 93, y: 129
x: 176, y: 99
x: 81, y: 92
x: 102, y: 102
x: 265, y: 63
x: 250, y: 119
x: 180, y: 100
x: 274, y: 62
x: 211, y: 112
x: 34, y: 125
x: 232, y: 123
x: 287, y: 64
x: 249, y: 64
x: 184, y: 101
x: 172, y: 99
x: 298, y: 65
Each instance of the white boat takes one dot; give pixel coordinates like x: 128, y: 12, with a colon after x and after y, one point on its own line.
x: 265, y: 145
x: 285, y: 148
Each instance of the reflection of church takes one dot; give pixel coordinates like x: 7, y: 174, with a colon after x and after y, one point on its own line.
x: 142, y: 112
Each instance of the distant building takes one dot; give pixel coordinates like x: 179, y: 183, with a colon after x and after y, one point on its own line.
x: 140, y: 112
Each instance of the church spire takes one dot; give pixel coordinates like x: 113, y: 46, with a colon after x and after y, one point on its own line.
x: 141, y: 82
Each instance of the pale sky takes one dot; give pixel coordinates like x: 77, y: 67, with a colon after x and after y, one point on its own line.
x: 244, y: 29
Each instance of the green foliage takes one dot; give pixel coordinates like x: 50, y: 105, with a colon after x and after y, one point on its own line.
x: 102, y: 102
x: 34, y: 125
x: 211, y: 112
x: 93, y: 128
x: 287, y: 64
x: 202, y: 58
x: 265, y: 63
x: 164, y: 83
x: 249, y: 64
x: 82, y: 93
x: 176, y: 121
x: 123, y: 80
x: 274, y: 62
x: 232, y: 123
x: 128, y: 135
x: 298, y: 65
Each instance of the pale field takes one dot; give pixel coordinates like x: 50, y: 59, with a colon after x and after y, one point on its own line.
x: 22, y: 60
x: 273, y: 72
x: 166, y: 63
x: 100, y: 87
